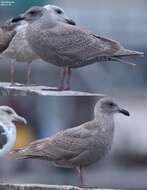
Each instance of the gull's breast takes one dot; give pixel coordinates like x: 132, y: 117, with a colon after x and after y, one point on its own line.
x: 7, y: 139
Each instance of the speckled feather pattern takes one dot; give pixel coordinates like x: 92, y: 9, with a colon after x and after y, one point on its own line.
x: 5, y: 38
x: 66, y: 45
x: 78, y: 146
x: 19, y: 48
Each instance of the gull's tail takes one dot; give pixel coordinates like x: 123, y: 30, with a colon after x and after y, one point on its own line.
x: 126, y: 53
x: 24, y: 153
x: 19, y: 153
x: 120, y: 60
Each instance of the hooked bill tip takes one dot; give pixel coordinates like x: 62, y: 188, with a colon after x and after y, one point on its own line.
x: 124, y: 112
x: 17, y: 19
x: 71, y: 22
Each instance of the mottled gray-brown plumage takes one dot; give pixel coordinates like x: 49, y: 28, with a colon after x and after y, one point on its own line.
x: 79, y: 146
x: 7, y: 32
x: 69, y: 46
x: 19, y: 49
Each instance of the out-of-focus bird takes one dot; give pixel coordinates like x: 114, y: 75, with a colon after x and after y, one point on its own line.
x: 7, y: 32
x: 67, y: 46
x: 80, y: 146
x: 8, y: 117
x: 19, y: 49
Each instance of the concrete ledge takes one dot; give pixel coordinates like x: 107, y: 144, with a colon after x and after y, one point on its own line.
x: 42, y: 187
x: 19, y: 90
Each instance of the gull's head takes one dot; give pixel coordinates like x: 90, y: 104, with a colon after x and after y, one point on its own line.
x: 7, y: 113
x: 54, y: 8
x: 30, y: 15
x: 110, y: 107
x: 59, y: 14
x: 51, y: 12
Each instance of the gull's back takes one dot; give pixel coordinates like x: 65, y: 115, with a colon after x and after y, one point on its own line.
x: 64, y: 45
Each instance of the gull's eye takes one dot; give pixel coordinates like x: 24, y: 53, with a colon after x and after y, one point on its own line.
x: 59, y: 11
x: 8, y: 112
x: 111, y: 104
x: 32, y: 12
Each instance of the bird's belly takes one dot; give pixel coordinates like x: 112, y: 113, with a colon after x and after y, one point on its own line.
x: 95, y: 156
x: 22, y: 53
x: 26, y: 55
x: 63, y: 60
x: 53, y: 58
x: 19, y: 52
x: 98, y: 149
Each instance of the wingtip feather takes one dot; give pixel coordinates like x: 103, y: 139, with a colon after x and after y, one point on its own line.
x: 134, y: 53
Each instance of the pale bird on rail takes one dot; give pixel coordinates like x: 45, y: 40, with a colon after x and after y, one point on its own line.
x: 80, y: 146
x: 19, y: 49
x: 55, y: 41
x: 8, y: 117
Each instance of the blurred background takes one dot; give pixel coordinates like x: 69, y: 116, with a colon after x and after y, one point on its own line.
x: 125, y: 21
x: 124, y: 167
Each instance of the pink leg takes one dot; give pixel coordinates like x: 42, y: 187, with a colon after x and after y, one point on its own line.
x: 80, y: 176
x: 28, y: 74
x: 12, y: 72
x: 68, y: 73
x: 63, y: 74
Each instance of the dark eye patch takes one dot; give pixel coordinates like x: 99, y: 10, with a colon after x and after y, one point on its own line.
x: 8, y: 111
x: 59, y: 11
x: 111, y: 104
x: 32, y: 12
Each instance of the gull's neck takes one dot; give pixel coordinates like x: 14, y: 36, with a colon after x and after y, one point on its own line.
x: 104, y: 118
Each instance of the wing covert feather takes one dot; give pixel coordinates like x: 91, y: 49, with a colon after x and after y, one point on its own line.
x: 80, y: 44
x: 64, y: 145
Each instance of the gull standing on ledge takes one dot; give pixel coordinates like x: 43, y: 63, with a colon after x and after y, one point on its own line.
x: 80, y: 146
x: 8, y: 117
x: 67, y: 46
x: 19, y: 49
